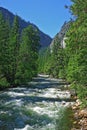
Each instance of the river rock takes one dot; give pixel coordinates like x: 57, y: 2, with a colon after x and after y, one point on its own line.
x: 83, y: 113
x: 80, y: 116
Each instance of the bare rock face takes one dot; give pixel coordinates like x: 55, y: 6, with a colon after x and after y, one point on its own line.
x: 61, y: 36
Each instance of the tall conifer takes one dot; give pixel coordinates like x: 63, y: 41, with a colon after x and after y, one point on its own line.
x: 4, y: 51
x: 14, y: 45
x: 77, y: 48
x: 27, y: 65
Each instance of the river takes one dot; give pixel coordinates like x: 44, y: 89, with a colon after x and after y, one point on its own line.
x: 37, y: 106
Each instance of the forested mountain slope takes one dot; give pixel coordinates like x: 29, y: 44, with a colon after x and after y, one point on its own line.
x: 45, y: 40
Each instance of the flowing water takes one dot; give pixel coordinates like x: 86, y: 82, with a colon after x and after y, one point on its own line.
x: 38, y: 106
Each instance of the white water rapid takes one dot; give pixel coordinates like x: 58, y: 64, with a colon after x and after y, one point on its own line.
x: 33, y: 107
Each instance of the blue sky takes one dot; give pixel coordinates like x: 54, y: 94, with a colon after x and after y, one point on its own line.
x: 48, y: 15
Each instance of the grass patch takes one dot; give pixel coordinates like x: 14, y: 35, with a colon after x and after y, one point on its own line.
x: 65, y: 119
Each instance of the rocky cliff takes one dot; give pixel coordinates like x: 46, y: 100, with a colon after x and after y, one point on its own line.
x: 61, y: 36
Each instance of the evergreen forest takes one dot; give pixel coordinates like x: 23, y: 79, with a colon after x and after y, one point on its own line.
x: 70, y: 63
x: 18, y: 53
x: 21, y: 58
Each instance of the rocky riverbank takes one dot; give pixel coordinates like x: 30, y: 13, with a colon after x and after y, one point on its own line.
x: 80, y: 117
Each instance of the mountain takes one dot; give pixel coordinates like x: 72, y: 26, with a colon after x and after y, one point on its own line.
x: 61, y: 36
x: 45, y: 40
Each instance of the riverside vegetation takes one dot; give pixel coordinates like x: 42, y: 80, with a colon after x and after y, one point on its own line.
x: 70, y: 63
x: 19, y: 53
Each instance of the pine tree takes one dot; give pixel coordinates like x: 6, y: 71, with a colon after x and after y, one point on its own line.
x: 76, y: 48
x: 27, y: 65
x: 14, y: 44
x: 46, y: 60
x: 58, y: 62
x: 4, y: 51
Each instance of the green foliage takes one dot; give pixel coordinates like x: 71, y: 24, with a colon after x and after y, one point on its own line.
x: 18, y: 62
x: 3, y: 83
x: 58, y: 60
x: 14, y: 44
x: 76, y: 45
x: 28, y: 55
x: 71, y: 63
x: 45, y: 60
x: 4, y: 51
x: 64, y: 121
x: 52, y: 61
x: 79, y: 7
x: 73, y: 69
x: 9, y: 47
